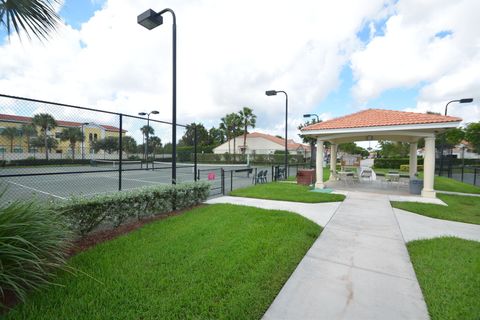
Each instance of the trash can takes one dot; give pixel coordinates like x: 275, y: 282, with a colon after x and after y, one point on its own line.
x: 416, y: 186
x: 306, y: 176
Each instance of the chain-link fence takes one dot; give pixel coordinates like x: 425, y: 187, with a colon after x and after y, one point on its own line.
x: 459, y: 170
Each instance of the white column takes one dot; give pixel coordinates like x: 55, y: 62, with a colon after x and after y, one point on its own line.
x: 319, y: 184
x: 413, y: 160
x: 333, y: 162
x: 429, y: 168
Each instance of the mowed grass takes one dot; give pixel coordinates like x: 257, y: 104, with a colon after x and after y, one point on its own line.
x: 214, y: 262
x: 448, y: 270
x: 286, y: 192
x: 460, y: 208
x: 447, y: 184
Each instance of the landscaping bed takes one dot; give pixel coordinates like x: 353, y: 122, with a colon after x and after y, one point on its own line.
x: 448, y: 272
x: 460, y: 208
x: 286, y: 192
x: 215, y: 261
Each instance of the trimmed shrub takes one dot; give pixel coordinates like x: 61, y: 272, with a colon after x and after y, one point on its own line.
x: 85, y: 214
x: 393, y: 163
x: 42, y: 162
x: 33, y: 244
x: 406, y: 167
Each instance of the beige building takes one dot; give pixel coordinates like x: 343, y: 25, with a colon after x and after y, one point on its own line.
x: 261, y: 143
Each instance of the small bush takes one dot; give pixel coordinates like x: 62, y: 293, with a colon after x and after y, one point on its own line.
x: 33, y: 244
x: 393, y: 163
x: 406, y: 167
x: 85, y: 214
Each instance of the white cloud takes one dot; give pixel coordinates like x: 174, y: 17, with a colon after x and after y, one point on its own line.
x: 412, y: 54
x: 229, y: 53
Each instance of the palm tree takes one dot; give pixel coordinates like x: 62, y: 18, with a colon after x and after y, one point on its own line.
x: 248, y: 120
x: 146, y: 131
x: 11, y: 133
x: 37, y: 17
x: 154, y: 143
x: 73, y: 135
x: 46, y: 122
x: 29, y: 131
x: 231, y: 124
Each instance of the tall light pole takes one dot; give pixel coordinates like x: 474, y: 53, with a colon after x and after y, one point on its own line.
x: 83, y: 139
x: 150, y: 19
x: 312, y: 143
x: 274, y: 93
x: 148, y: 131
x: 464, y: 100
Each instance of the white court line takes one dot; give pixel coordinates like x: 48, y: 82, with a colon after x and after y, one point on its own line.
x: 44, y: 192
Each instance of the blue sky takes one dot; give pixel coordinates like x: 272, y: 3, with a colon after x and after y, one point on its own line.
x: 332, y: 61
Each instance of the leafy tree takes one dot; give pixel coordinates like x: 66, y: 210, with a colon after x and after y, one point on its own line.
x: 46, y: 122
x: 29, y: 131
x: 39, y: 142
x: 449, y: 139
x: 37, y: 17
x: 109, y: 144
x: 248, y: 119
x: 216, y: 136
x: 154, y: 144
x: 352, y: 148
x: 231, y: 124
x: 72, y: 135
x: 11, y: 133
x: 472, y: 135
x: 146, y: 132
x: 392, y: 149
x: 188, y: 138
x: 309, y: 139
x: 129, y: 144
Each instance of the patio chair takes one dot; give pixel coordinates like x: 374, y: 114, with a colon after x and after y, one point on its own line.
x: 393, y: 178
x: 366, y: 175
x: 263, y: 177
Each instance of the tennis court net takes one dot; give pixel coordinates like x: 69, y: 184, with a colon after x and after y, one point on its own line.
x: 114, y: 164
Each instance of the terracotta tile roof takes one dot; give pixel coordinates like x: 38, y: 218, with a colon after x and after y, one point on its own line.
x: 380, y: 117
x: 61, y: 123
x: 291, y: 145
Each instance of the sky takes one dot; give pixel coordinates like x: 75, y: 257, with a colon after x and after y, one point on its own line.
x: 331, y: 57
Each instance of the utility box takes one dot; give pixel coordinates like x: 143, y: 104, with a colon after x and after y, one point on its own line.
x: 306, y: 176
x: 416, y: 186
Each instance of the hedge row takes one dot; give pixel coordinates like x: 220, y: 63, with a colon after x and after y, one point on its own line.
x: 85, y: 214
x: 393, y: 163
x: 242, y: 158
x: 406, y: 167
x: 41, y: 162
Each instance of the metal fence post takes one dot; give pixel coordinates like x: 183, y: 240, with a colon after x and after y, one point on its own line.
x: 462, y: 172
x: 195, y: 151
x: 222, y: 180
x: 475, y: 176
x: 120, y: 154
x: 231, y: 180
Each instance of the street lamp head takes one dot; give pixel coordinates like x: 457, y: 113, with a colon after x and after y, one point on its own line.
x: 142, y: 113
x: 466, y: 100
x: 307, y: 115
x: 154, y: 112
x: 150, y: 19
x: 271, y: 93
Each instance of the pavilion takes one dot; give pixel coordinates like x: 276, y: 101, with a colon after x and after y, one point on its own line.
x: 379, y: 124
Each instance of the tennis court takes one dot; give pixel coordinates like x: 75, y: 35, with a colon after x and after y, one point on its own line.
x: 62, y: 182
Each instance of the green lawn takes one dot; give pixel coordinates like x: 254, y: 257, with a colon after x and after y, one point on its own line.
x: 447, y: 184
x: 448, y: 270
x: 213, y: 262
x: 286, y: 192
x: 460, y: 208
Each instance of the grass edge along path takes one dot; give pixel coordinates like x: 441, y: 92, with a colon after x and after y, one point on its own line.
x: 286, y: 192
x: 460, y: 208
x: 448, y: 272
x: 212, y: 262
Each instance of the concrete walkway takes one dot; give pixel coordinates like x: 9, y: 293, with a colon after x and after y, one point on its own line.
x: 415, y: 226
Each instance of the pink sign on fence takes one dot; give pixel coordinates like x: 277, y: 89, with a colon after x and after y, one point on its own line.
x: 211, y: 176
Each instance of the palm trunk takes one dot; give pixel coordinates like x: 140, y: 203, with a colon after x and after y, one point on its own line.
x: 234, y: 144
x: 72, y: 146
x: 46, y: 146
x: 28, y: 144
x: 245, y: 139
x: 11, y: 145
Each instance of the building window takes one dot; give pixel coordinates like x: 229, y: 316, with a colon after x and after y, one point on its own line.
x: 58, y: 134
x: 95, y: 137
x: 3, y: 150
x: 17, y: 150
x: 90, y: 137
x: 2, y: 129
x: 58, y: 151
x: 33, y: 150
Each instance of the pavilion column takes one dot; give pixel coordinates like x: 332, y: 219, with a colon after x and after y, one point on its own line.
x: 429, y: 168
x: 319, y: 165
x: 413, y: 159
x: 333, y: 162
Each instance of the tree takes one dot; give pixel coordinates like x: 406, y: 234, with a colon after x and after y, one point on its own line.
x: 352, y: 148
x: 392, y: 149
x: 146, y: 132
x: 109, y: 144
x: 129, y: 145
x: 248, y: 119
x: 72, y: 135
x: 188, y: 138
x: 11, y: 133
x: 46, y: 122
x: 472, y: 135
x: 39, y: 142
x: 309, y: 139
x: 154, y: 144
x: 216, y: 136
x: 29, y: 131
x: 231, y: 124
x: 450, y: 138
x: 37, y: 17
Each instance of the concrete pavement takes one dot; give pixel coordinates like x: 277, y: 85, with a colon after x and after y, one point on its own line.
x: 358, y: 268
